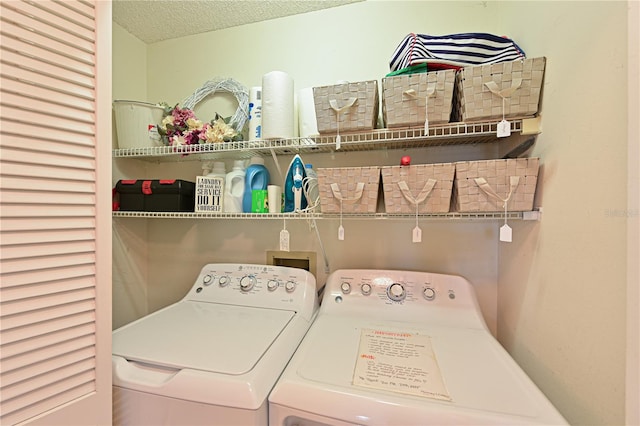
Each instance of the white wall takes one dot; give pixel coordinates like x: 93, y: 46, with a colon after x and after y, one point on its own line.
x: 560, y: 307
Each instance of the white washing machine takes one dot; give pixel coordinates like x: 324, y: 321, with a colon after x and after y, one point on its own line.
x: 403, y: 348
x: 213, y: 357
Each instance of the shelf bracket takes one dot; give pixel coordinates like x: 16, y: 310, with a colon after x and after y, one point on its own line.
x: 531, y: 126
x: 533, y: 215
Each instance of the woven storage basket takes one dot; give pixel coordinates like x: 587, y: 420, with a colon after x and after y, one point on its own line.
x: 354, y: 105
x: 357, y: 186
x: 406, y: 98
x: 513, y: 180
x: 427, y: 185
x: 480, y: 90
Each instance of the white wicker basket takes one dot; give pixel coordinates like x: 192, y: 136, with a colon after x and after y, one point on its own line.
x: 428, y: 186
x: 348, y: 189
x: 485, y: 186
x: 348, y: 107
x: 407, y: 100
x: 510, y: 89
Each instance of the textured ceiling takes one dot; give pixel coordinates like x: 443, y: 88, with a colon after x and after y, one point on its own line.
x: 156, y: 20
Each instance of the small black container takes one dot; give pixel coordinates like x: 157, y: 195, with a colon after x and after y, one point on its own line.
x: 173, y: 195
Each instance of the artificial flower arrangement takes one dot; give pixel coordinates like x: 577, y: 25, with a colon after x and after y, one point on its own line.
x: 180, y: 126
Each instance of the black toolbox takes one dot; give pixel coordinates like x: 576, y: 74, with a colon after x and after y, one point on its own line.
x: 172, y: 195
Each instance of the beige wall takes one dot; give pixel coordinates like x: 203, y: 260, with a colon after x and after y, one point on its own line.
x: 129, y: 238
x: 555, y: 297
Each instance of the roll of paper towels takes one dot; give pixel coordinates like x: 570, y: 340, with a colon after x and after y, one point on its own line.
x: 277, y: 106
x: 307, y: 113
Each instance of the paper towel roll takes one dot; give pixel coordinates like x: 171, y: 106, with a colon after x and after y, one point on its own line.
x: 307, y: 113
x: 255, y: 113
x: 277, y: 106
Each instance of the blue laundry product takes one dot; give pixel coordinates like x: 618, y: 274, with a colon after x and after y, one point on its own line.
x: 256, y: 178
x: 293, y: 197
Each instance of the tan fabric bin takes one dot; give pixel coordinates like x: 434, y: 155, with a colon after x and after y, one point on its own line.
x: 480, y: 90
x: 482, y: 186
x: 406, y: 98
x: 348, y: 107
x: 357, y: 187
x: 427, y: 185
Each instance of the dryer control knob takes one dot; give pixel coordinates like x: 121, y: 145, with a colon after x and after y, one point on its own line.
x: 290, y: 286
x: 247, y: 282
x: 223, y: 281
x: 396, y: 292
x: 272, y: 285
x: 429, y: 293
x: 366, y: 289
x: 207, y: 279
x: 345, y: 287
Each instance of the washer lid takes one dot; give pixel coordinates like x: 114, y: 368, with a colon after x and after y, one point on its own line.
x: 225, y: 339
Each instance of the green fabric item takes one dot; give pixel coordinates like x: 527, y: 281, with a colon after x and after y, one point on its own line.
x: 413, y: 69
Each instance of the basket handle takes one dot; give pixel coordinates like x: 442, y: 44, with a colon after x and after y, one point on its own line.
x: 358, y: 193
x: 484, y: 186
x: 334, y: 105
x: 428, y: 187
x: 411, y: 93
x: 504, y: 93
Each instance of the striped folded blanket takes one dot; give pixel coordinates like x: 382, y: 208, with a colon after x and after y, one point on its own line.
x: 454, y: 50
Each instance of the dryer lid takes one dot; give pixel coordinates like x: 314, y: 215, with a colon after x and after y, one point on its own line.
x: 224, y: 339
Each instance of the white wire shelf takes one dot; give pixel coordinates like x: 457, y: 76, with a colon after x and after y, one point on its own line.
x: 447, y: 134
x: 323, y: 216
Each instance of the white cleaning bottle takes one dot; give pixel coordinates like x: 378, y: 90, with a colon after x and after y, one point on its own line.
x: 234, y: 188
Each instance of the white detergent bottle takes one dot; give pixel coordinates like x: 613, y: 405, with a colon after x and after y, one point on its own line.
x: 234, y: 188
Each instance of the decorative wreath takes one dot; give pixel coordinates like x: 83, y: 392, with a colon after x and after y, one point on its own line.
x: 180, y: 126
x: 230, y: 85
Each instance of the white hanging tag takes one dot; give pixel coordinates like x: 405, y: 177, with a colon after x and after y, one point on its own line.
x: 417, y: 235
x: 338, y: 140
x: 426, y: 116
x: 340, y: 233
x: 504, y: 129
x: 505, y: 233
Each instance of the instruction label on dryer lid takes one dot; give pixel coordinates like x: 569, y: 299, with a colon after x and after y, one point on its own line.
x: 399, y: 362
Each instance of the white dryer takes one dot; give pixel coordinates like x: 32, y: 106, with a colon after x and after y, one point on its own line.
x: 213, y: 357
x: 403, y: 348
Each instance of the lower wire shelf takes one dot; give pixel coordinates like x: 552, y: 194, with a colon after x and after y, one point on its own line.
x: 454, y: 216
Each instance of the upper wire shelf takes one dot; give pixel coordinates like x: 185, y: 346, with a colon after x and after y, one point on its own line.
x: 441, y: 135
x: 315, y: 215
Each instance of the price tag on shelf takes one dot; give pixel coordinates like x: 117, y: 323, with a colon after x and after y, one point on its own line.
x: 417, y: 235
x: 504, y: 129
x: 505, y: 233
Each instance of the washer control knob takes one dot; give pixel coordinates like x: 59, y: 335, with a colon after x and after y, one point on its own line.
x: 247, y: 282
x: 207, y: 279
x: 272, y: 285
x: 224, y: 281
x: 396, y: 292
x: 345, y: 287
x: 290, y: 286
x: 366, y: 289
x: 429, y: 293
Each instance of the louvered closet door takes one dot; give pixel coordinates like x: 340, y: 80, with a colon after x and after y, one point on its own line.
x: 55, y: 229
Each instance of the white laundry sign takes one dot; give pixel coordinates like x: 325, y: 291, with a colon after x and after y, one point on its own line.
x: 399, y: 362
